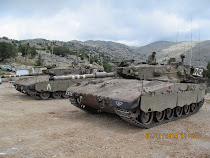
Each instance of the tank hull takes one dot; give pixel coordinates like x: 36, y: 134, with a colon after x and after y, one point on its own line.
x: 52, y: 88
x: 132, y: 99
x: 36, y: 86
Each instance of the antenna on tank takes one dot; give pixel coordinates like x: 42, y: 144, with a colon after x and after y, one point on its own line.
x: 185, y: 43
x: 191, y: 45
x: 199, y: 47
x: 177, y: 34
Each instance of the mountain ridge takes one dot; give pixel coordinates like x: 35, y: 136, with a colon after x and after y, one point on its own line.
x: 112, y: 51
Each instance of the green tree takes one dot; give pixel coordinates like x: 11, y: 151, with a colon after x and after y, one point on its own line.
x: 5, y: 38
x: 23, y: 49
x: 61, y: 50
x: 108, y: 67
x: 39, y: 61
x: 93, y: 60
x: 49, y: 48
x: 208, y: 72
x: 32, y: 51
x: 7, y: 50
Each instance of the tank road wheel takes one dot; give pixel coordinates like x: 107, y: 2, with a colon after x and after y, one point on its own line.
x: 146, y: 118
x: 178, y: 111
x: 44, y: 95
x: 186, y: 109
x: 63, y: 94
x: 169, y: 113
x: 56, y: 95
x: 159, y: 116
x: 193, y: 107
x: 199, y: 104
x: 16, y: 87
x: 79, y: 100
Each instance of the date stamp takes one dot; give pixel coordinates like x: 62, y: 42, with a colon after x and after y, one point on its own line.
x: 170, y: 135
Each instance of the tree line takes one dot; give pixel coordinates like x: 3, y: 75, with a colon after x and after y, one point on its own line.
x: 8, y: 50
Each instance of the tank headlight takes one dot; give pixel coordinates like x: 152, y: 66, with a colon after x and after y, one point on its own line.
x: 69, y: 93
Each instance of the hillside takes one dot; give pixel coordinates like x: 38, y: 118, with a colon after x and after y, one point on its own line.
x: 156, y: 46
x: 108, y: 51
x: 116, y: 50
x: 112, y: 51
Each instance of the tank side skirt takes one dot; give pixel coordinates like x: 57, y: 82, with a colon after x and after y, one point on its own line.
x: 127, y: 116
x: 158, y: 101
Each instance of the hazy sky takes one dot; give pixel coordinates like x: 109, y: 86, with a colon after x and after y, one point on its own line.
x: 132, y: 22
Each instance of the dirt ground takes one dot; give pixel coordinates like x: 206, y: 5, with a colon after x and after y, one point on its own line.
x: 54, y: 128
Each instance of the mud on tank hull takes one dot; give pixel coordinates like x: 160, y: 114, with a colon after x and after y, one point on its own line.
x: 142, y: 103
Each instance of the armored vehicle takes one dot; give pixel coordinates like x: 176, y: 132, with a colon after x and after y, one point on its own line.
x: 143, y: 95
x: 41, y: 87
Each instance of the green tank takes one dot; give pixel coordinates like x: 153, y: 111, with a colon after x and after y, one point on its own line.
x: 41, y: 87
x: 143, y: 95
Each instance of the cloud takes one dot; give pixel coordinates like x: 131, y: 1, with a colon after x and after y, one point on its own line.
x: 136, y: 23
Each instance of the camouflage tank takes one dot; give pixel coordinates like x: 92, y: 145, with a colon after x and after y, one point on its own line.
x: 143, y: 95
x: 41, y: 87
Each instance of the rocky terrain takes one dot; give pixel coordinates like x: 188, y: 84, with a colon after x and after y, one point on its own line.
x: 108, y: 50
x: 19, y: 63
x: 111, y: 51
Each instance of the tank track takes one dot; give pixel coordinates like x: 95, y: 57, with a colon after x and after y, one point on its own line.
x: 35, y: 95
x: 126, y: 115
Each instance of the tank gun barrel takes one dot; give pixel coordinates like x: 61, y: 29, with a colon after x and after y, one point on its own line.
x: 94, y: 75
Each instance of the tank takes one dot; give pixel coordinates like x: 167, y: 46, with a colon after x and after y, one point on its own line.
x: 40, y: 87
x: 143, y: 95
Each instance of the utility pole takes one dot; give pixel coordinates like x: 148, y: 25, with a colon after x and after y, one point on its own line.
x: 101, y: 61
x: 52, y: 46
x: 89, y: 56
x: 77, y: 58
x: 26, y: 52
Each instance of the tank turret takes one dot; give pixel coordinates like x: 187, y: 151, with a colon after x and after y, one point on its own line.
x: 171, y: 72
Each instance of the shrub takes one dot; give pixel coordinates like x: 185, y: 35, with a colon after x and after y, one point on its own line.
x: 7, y: 50
x: 39, y: 61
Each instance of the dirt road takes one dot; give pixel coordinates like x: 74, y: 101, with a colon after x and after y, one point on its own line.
x: 54, y: 128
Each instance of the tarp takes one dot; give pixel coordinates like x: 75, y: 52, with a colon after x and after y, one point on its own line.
x: 22, y: 72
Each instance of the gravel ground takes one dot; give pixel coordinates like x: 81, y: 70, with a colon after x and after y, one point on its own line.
x: 54, y: 128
